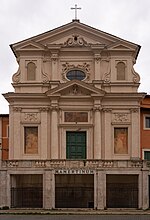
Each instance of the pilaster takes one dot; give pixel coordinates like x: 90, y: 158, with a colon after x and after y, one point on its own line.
x: 97, y: 58
x: 101, y: 189
x: 44, y: 133
x: 145, y: 187
x: 54, y: 63
x: 49, y: 193
x: 16, y: 133
x: 54, y: 133
x: 107, y: 134
x: 97, y: 132
x: 3, y: 188
x: 135, y: 133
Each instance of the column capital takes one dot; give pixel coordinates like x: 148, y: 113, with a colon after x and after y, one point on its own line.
x: 97, y: 108
x: 134, y: 110
x: 54, y: 108
x: 17, y: 109
x: 54, y: 57
x: 97, y: 57
x: 44, y: 109
x: 108, y: 110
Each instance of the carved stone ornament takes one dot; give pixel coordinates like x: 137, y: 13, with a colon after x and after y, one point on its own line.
x: 75, y: 40
x: 121, y: 117
x: 54, y: 108
x: 97, y: 108
x: 44, y: 74
x: 136, y: 77
x: 107, y: 70
x: 16, y: 76
x: 54, y: 58
x: 97, y: 58
x: 85, y: 67
x: 75, y: 89
x: 30, y: 117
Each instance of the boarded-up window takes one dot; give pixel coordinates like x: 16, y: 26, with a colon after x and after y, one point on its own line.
x: 120, y: 140
x: 120, y: 71
x: 31, y: 71
x: 31, y: 140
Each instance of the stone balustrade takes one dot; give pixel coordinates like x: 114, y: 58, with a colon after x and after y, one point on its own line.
x: 92, y: 164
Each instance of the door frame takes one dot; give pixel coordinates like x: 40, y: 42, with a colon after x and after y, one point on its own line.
x: 85, y: 143
x: 89, y: 139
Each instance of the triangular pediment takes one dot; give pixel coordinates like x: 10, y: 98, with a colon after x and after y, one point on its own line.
x: 122, y: 46
x: 65, y: 36
x: 75, y: 88
x: 30, y: 46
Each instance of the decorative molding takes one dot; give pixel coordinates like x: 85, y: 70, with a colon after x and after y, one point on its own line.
x: 75, y: 40
x: 85, y: 67
x: 120, y: 117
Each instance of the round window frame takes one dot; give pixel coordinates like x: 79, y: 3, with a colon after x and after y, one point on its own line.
x: 71, y: 70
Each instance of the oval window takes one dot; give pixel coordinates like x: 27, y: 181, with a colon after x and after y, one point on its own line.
x: 75, y: 74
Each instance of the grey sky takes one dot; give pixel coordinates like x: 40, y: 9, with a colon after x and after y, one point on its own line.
x: 21, y: 19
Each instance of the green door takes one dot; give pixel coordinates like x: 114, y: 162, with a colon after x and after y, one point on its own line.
x: 76, y: 144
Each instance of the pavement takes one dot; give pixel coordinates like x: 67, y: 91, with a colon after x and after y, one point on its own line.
x: 74, y: 212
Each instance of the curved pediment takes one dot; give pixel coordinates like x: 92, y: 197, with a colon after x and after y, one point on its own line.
x: 75, y: 88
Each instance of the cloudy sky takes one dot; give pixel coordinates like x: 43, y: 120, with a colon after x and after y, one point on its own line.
x: 21, y: 19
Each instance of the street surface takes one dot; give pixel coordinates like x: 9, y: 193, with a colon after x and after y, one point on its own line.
x: 74, y: 217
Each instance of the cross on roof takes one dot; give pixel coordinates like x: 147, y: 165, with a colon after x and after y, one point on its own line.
x: 75, y: 8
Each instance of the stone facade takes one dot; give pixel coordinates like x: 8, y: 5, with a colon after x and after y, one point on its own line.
x: 75, y: 111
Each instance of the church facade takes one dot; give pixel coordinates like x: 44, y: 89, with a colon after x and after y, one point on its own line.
x: 74, y: 123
